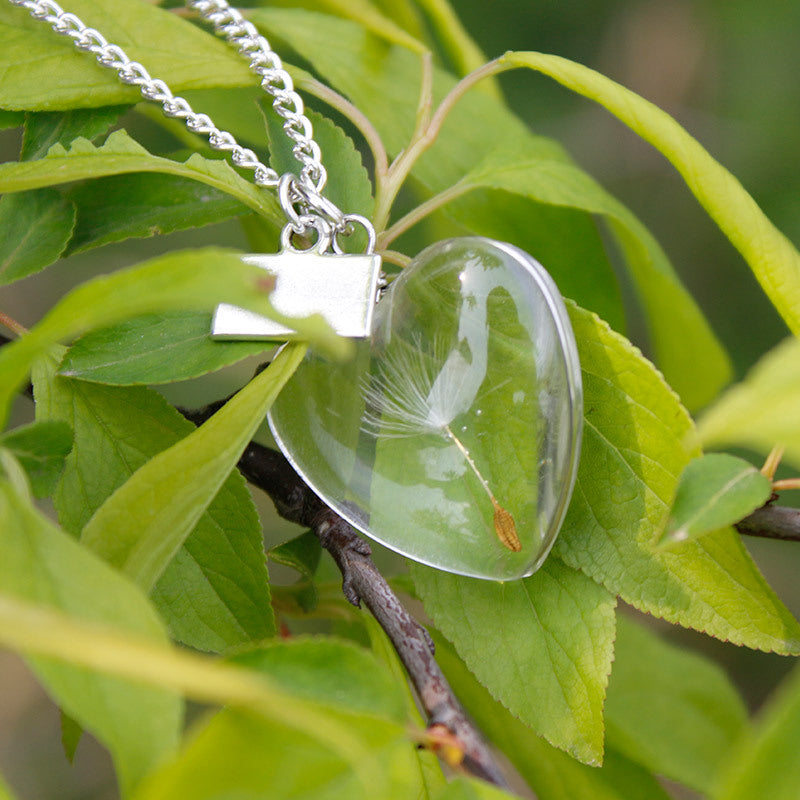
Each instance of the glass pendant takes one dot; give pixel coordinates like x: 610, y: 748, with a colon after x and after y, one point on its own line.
x: 453, y: 436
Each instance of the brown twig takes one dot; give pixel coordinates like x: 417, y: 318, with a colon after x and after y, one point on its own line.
x: 12, y: 325
x: 362, y: 582
x: 772, y: 522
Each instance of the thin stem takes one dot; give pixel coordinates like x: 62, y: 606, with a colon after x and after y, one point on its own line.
x: 431, y: 133
x: 772, y: 462
x: 361, y: 581
x: 359, y: 120
x: 423, y: 140
x: 425, y: 104
x: 458, y: 91
x: 400, y: 167
x: 421, y: 211
x: 787, y: 483
x: 12, y: 325
x: 456, y: 41
x: 394, y: 257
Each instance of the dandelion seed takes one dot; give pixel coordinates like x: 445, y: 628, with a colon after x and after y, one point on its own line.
x: 411, y: 394
x: 504, y: 525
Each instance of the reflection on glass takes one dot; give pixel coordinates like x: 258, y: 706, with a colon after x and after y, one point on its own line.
x: 453, y: 436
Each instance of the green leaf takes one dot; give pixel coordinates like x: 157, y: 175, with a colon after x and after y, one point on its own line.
x: 460, y: 47
x: 542, y: 646
x: 71, y: 735
x: 11, y: 119
x: 268, y: 760
x: 685, y: 347
x: 41, y: 564
x: 187, y: 280
x: 40, y: 631
x: 772, y: 257
x: 761, y: 411
x: 533, y: 170
x: 36, y: 227
x: 215, y: 593
x: 432, y: 777
x: 330, y: 671
x: 155, y: 348
x: 45, y: 129
x: 634, y: 450
x: 714, y: 491
x: 144, y: 523
x: 764, y: 762
x: 670, y: 709
x: 406, y: 14
x: 302, y: 554
x: 40, y: 71
x: 12, y: 472
x: 348, y: 184
x: 373, y: 19
x: 41, y: 449
x: 465, y: 788
x: 552, y: 774
x: 380, y: 18
x: 273, y: 761
x: 234, y: 109
x: 119, y: 155
x: 139, y: 206
x: 383, y: 82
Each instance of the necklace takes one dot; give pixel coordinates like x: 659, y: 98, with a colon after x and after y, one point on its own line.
x: 453, y: 436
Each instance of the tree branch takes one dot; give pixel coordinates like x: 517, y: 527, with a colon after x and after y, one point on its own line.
x: 772, y: 522
x: 362, y: 582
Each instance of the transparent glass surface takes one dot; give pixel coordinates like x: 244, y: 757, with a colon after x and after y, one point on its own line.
x: 453, y: 436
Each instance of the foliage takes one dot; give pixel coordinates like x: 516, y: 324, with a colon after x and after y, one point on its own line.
x: 158, y: 541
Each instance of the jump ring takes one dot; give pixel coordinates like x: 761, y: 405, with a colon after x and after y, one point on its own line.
x: 347, y: 229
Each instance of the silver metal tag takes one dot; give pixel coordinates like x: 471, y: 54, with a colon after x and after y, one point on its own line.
x: 343, y: 288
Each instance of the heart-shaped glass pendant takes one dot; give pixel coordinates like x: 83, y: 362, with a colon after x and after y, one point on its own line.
x: 453, y: 437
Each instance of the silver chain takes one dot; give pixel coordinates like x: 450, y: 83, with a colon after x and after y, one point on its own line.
x: 300, y: 196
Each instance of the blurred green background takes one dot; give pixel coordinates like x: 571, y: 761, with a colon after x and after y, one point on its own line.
x: 727, y: 70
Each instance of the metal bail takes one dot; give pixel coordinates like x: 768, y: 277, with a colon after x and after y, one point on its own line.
x: 343, y: 288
